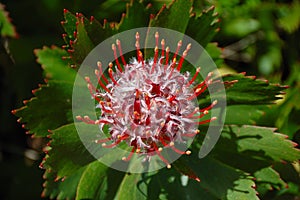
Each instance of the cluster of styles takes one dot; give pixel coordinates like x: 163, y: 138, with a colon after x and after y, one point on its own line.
x: 149, y: 104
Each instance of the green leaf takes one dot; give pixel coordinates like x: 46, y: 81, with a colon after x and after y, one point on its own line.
x: 99, y: 182
x: 68, y: 156
x: 258, y: 142
x: 183, y: 168
x: 244, y: 114
x: 241, y: 146
x: 61, y: 189
x: 51, y: 107
x: 176, y: 16
x: 132, y: 187
x: 242, y: 191
x: 204, y: 27
x: 6, y: 27
x: 92, y: 182
x: 137, y: 15
x: 49, y: 110
x: 83, y: 44
x: 249, y: 90
x: 55, y: 68
x: 218, y: 181
x: 245, y: 90
x: 269, y: 178
x: 67, y: 153
x: 83, y: 34
x: 69, y: 25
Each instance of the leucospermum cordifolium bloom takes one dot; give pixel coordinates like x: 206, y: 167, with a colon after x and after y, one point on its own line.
x: 149, y: 104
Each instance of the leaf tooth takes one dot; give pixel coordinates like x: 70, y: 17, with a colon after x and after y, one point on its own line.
x: 49, y: 170
x: 254, y: 186
x: 70, y: 50
x: 45, y: 175
x: 162, y: 9
x: 191, y: 9
x: 285, y: 86
x: 65, y: 46
x: 14, y: 112
x: 251, y: 77
x: 41, y: 165
x: 149, y: 5
x: 57, y: 178
x: 25, y: 102
x: 283, y: 162
x: 63, y: 179
x: 64, y: 36
x: 34, y: 91
x: 215, y: 14
x: 66, y: 57
x: 152, y: 16
x: 294, y: 143
x: 72, y: 42
x: 43, y: 194
x: 104, y: 22
x: 49, y: 136
x: 92, y: 18
x: 210, y: 9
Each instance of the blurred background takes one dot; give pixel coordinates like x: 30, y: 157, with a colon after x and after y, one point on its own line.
x: 257, y: 37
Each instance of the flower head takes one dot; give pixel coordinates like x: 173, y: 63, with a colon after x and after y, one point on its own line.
x: 149, y: 104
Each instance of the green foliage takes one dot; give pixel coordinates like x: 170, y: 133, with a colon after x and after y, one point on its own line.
x: 168, y: 17
x: 204, y: 27
x: 249, y: 90
x: 269, y: 178
x: 60, y: 80
x: 92, y: 182
x: 268, y: 146
x: 242, y: 158
x: 6, y: 28
x: 65, y: 156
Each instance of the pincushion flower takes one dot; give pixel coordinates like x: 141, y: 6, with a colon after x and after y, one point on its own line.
x: 149, y: 104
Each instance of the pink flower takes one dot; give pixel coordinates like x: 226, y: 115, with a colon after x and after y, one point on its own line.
x: 149, y: 104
